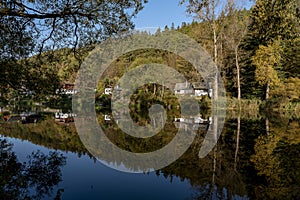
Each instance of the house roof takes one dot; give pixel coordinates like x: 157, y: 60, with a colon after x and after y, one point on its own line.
x: 199, y: 85
x: 183, y: 86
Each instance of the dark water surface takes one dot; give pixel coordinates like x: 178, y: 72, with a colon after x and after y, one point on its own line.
x: 255, y: 158
x: 85, y: 178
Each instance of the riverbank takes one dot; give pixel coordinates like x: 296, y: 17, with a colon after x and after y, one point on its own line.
x: 256, y: 107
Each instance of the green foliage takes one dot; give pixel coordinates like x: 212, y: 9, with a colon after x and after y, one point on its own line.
x: 146, y: 60
x: 265, y: 59
x: 289, y: 89
x: 138, y: 58
x: 272, y: 20
x: 15, y: 43
x: 291, y: 61
x: 292, y: 86
x: 246, y: 105
x: 32, y: 27
x: 267, y: 22
x: 56, y: 24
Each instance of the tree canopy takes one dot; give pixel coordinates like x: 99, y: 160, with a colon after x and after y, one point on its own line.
x: 69, y: 23
x: 265, y: 59
x: 30, y: 27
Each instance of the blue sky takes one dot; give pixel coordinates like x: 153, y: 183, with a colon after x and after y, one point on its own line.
x: 158, y: 13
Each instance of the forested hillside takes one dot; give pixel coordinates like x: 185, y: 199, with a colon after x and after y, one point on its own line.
x: 257, y: 52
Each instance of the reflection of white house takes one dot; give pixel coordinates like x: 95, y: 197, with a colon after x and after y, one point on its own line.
x: 184, y: 120
x: 64, y: 117
x: 108, y: 91
x: 192, y: 123
x: 193, y: 120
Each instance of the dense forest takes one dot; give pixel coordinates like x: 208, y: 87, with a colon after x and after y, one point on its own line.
x: 257, y: 52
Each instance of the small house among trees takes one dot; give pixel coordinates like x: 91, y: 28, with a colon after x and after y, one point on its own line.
x: 201, y: 89
x: 183, y: 88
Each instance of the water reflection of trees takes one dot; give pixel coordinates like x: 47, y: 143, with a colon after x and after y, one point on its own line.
x: 252, y: 158
x: 48, y: 134
x: 221, y: 173
x: 215, y: 176
x: 34, y: 179
x: 230, y: 170
x: 277, y: 160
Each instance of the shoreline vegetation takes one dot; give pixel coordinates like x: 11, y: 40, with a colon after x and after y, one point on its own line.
x: 282, y: 107
x: 234, y: 107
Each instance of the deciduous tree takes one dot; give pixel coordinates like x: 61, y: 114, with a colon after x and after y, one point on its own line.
x: 265, y: 59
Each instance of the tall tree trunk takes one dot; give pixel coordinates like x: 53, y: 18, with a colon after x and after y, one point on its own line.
x: 215, y: 88
x: 238, y: 74
x: 214, y: 27
x: 267, y: 126
x: 268, y: 90
x: 162, y: 91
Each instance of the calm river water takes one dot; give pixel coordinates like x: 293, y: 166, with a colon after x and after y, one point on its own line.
x: 255, y: 158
